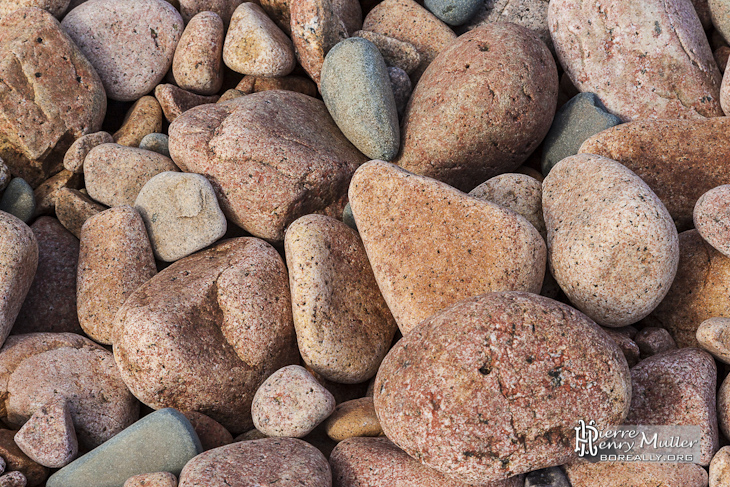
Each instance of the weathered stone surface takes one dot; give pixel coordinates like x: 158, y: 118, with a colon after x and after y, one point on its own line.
x: 211, y: 433
x: 45, y: 194
x: 399, y: 54
x: 51, y: 94
x: 156, y: 143
x: 74, y: 159
x: 547, y: 477
x: 156, y: 479
x: 635, y: 474
x: 714, y: 336
x: 720, y: 16
x: 515, y: 371
x: 54, y: 7
x: 17, y: 461
x: 429, y: 247
x: 13, y: 479
x: 73, y: 208
x: 652, y: 340
x: 300, y: 84
x: 720, y: 468
x: 271, y: 157
x: 353, y: 418
x: 453, y: 12
x: 175, y: 101
x: 712, y: 218
x: 315, y: 29
x: 627, y: 345
x: 723, y: 407
x: 145, y: 117
x: 198, y: 62
x: 48, y: 437
x: 481, y: 108
x: 532, y: 14
x: 402, y: 88
x: 204, y: 333
x: 4, y: 175
x: 643, y: 58
x: 612, y: 245
x: 130, y: 44
x: 223, y: 8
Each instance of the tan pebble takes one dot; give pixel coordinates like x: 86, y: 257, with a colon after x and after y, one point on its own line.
x: 48, y: 437
x: 13, y: 479
x: 712, y: 218
x: 115, y: 259
x: 396, y: 53
x: 652, y: 340
x: 246, y: 84
x: 299, y: 84
x: 145, y: 117
x: 175, y: 101
x: 157, y: 479
x: 54, y: 7
x: 45, y: 194
x: 720, y: 468
x: 250, y: 435
x: 19, y: 462
x: 627, y: 345
x: 74, y: 159
x: 714, y: 336
x: 230, y: 95
x: 533, y: 173
x: 315, y: 29
x: 197, y: 65
x: 635, y: 474
x: 73, y: 208
x: 211, y: 433
x: 353, y: 418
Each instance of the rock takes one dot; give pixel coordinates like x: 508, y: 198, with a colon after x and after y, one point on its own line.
x: 714, y: 336
x: 350, y: 14
x: 725, y: 93
x: 299, y: 84
x: 612, y: 245
x: 45, y: 194
x: 644, y: 59
x: 197, y: 64
x: 663, y: 154
x: 230, y: 95
x: 271, y: 157
x: 253, y: 434
x: 702, y: 7
x: 721, y: 57
x: 400, y: 83
x: 259, y: 462
x: 291, y: 403
x: 50, y: 305
x: 130, y: 44
x: 74, y: 159
x: 133, y: 451
x: 353, y: 418
x: 175, y: 101
x: 13, y: 479
x: 17, y: 461
x: 145, y: 117
x: 627, y: 345
x: 4, y: 175
x: 720, y: 468
x: 712, y: 218
x: 421, y: 234
x: 18, y: 263
x: 547, y: 477
x: 532, y: 14
x: 517, y: 192
x: 635, y: 474
x: 211, y: 433
x: 115, y: 174
x: 223, y: 8
x: 223, y: 309
x: 51, y: 94
x: 576, y: 121
x: 348, y: 218
x: 48, y: 437
x: 398, y: 54
x: 677, y: 388
x: 54, y: 7
x: 115, y: 259
x: 503, y: 84
x: 453, y: 12
x: 157, y: 479
x: 273, y: 52
x: 18, y: 200
x: 377, y: 462
x: 424, y: 31
x: 315, y: 29
x: 156, y: 143
x: 652, y: 341
x: 513, y: 370
x: 699, y: 291
x: 720, y: 16
x: 38, y: 367
x: 73, y: 208
x: 723, y: 407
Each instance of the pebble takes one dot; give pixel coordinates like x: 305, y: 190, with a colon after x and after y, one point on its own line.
x: 13, y: 479
x: 612, y: 245
x: 181, y: 214
x: 51, y: 94
x: 18, y: 200
x: 532, y: 14
x: 4, y: 175
x: 175, y: 101
x: 17, y: 461
x: 348, y: 218
x: 291, y: 403
x: 50, y: 305
x: 398, y: 54
x: 198, y: 63
x: 481, y: 108
x: 211, y: 433
x: 712, y: 218
x: 156, y: 143
x: 428, y: 245
x: 344, y: 328
x: 400, y: 83
x: 45, y: 194
x: 315, y: 29
x: 223, y: 8
x: 576, y: 121
x: 115, y: 174
x: 507, y: 368
x: 714, y: 336
x: 205, y: 332
x: 643, y: 58
x: 271, y: 157
x: 134, y: 451
x: 145, y: 117
x: 453, y: 12
x: 18, y: 263
x: 259, y: 462
x: 255, y: 46
x: 130, y: 44
x: 720, y: 468
x: 635, y: 474
x: 73, y: 208
x: 156, y: 479
x: 353, y: 418
x: 547, y: 477
x: 722, y: 55
x: 725, y: 92
x: 115, y: 259
x: 48, y: 437
x: 627, y: 345
x: 300, y: 84
x: 230, y: 95
x: 74, y: 159
x: 356, y: 89
x: 652, y: 340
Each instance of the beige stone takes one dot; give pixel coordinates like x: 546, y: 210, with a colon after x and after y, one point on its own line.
x: 48, y: 437
x: 353, y: 418
x: 18, y: 462
x: 175, y: 101
x: 315, y: 29
x: 73, y: 208
x: 712, y: 218
x: 635, y: 474
x: 45, y: 194
x: 73, y: 161
x: 156, y: 479
x: 198, y: 62
x: 720, y: 468
x: 714, y: 336
x: 399, y: 54
x: 145, y: 117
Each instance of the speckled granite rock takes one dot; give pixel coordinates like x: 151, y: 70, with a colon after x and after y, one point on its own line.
x: 612, y: 245
x: 315, y: 29
x: 643, y: 58
x: 259, y: 462
x: 156, y: 479
x: 532, y: 14
x: 55, y: 7
x: 73, y: 208
x: 429, y: 247
x: 74, y: 159
x: 352, y: 419
x: 175, y: 101
x: 130, y: 44
x: 197, y: 64
x: 481, y: 108
x: 223, y: 8
x: 13, y: 479
x: 635, y: 474
x: 530, y: 368
x: 627, y: 345
x: 204, y: 333
x: 720, y: 16
x: 396, y: 53
x: 145, y: 117
x: 271, y: 157
x: 211, y: 433
x: 52, y: 94
x: 652, y: 340
x: 402, y: 88
x: 48, y: 437
x: 45, y: 194
x: 720, y: 468
x: 712, y: 218
x: 300, y: 84
x: 723, y: 407
x: 714, y: 336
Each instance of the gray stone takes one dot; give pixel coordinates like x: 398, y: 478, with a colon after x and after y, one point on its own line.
x: 400, y: 82
x: 163, y: 441
x: 18, y: 200
x: 720, y: 14
x: 453, y: 12
x: 547, y: 477
x: 582, y: 117
x: 348, y: 218
x: 356, y: 89
x: 156, y: 143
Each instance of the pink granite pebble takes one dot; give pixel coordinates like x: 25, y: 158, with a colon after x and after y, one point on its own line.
x: 198, y: 63
x: 48, y: 437
x: 157, y: 479
x: 712, y: 218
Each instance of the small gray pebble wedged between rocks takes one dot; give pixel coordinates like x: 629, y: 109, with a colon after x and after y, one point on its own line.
x: 453, y: 12
x: 156, y: 143
x: 356, y: 89
x: 400, y: 83
x: 18, y: 200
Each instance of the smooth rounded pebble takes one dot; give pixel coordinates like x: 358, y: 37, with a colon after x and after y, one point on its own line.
x: 291, y: 403
x: 712, y: 218
x: 353, y: 418
x: 198, y: 62
x: 145, y: 117
x: 453, y: 12
x: 175, y: 101
x: 13, y: 479
x: 130, y: 44
x: 720, y: 468
x: 156, y: 479
x: 18, y: 200
x: 714, y: 336
x: 74, y: 159
x: 48, y: 437
x: 156, y: 143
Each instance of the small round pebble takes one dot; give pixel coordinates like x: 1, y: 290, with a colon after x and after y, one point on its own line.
x: 453, y: 12
x: 714, y: 336
x: 652, y: 340
x: 291, y: 403
x: 156, y: 143
x: 712, y: 218
x: 157, y: 479
x: 18, y: 200
x: 353, y: 418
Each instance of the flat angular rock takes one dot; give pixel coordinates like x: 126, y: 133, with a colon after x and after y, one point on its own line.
x: 429, y: 244
x: 395, y: 53
x: 315, y: 29
x: 156, y: 479
x: 175, y: 101
x: 133, y: 451
x: 271, y: 157
x: 211, y: 433
x: 48, y: 437
x: 74, y: 159
x: 73, y: 208
x: 720, y: 468
x: 353, y: 418
x: 130, y: 44
x: 712, y: 218
x: 643, y: 58
x: 515, y: 371
x: 198, y: 62
x: 51, y: 94
x: 145, y: 117
x: 635, y: 474
x: 713, y: 335
x: 612, y: 245
x: 532, y: 14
